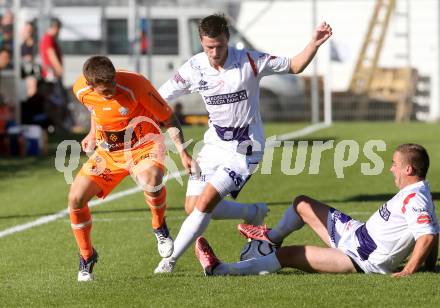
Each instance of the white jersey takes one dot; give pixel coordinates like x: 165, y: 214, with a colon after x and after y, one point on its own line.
x: 231, y: 95
x: 388, y: 237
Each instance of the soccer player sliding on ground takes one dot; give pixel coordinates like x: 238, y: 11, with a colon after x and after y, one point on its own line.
x: 406, y: 224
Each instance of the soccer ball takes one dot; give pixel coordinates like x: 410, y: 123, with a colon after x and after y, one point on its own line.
x: 256, y: 249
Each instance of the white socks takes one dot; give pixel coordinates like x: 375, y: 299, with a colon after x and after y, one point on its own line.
x: 193, y: 226
x: 260, y: 266
x: 226, y: 209
x: 197, y: 222
x: 288, y: 223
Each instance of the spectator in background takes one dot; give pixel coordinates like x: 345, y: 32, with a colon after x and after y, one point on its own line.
x: 52, y: 74
x: 7, y: 31
x: 5, y: 117
x: 178, y: 112
x: 50, y: 52
x: 30, y: 71
x: 36, y: 107
x: 11, y: 140
x: 5, y: 59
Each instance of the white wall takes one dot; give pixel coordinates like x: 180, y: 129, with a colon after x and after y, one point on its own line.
x: 284, y: 28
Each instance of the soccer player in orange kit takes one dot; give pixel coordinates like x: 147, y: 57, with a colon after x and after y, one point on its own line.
x: 125, y: 115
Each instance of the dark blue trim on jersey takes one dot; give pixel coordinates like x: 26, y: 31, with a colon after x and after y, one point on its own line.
x: 366, y: 243
x: 232, y: 133
x: 234, y: 194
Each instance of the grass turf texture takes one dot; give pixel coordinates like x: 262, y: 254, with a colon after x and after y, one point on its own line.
x: 38, y: 266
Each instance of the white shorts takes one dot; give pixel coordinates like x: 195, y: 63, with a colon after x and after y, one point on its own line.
x: 225, y: 169
x: 341, y: 229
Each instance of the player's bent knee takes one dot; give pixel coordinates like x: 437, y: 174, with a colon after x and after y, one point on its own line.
x: 204, y: 204
x: 300, y: 202
x: 207, y: 201
x: 151, y: 180
x: 153, y: 192
x: 300, y: 198
x: 75, y: 200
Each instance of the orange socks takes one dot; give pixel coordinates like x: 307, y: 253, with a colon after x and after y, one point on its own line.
x: 157, y: 206
x: 81, y: 222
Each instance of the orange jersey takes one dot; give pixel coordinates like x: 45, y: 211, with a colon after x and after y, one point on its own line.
x: 135, y: 97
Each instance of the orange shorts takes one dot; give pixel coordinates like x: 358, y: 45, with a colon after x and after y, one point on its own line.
x: 107, y: 169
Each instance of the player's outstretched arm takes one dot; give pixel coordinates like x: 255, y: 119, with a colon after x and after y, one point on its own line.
x: 175, y: 132
x: 299, y: 62
x: 420, y: 252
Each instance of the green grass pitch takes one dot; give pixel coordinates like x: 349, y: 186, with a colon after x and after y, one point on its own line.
x: 38, y: 266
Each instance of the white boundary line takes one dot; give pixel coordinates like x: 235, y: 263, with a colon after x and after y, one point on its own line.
x: 302, y: 132
x: 46, y: 219
x: 63, y: 213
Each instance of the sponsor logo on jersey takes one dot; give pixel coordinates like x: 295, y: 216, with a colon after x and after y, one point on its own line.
x: 419, y: 210
x: 424, y: 219
x: 203, y: 85
x: 177, y: 78
x: 384, y: 212
x: 104, y: 174
x: 115, y: 141
x: 146, y: 156
x: 229, y: 98
x: 123, y: 111
x: 113, y: 137
x: 234, y: 176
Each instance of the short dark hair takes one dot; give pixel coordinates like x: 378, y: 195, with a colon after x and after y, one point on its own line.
x: 99, y: 70
x: 416, y: 156
x: 55, y: 22
x: 213, y: 26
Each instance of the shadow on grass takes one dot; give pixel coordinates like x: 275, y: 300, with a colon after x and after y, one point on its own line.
x: 95, y: 212
x: 356, y: 198
x: 21, y: 167
x: 311, y: 140
x: 374, y: 197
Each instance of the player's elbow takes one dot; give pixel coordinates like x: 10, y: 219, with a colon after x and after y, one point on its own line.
x: 296, y: 66
x: 296, y: 69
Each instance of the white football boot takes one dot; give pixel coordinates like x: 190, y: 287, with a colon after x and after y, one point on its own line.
x: 86, y: 267
x: 165, y: 243
x: 166, y: 265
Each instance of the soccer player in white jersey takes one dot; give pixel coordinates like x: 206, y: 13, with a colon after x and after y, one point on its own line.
x: 228, y: 81
x: 406, y: 224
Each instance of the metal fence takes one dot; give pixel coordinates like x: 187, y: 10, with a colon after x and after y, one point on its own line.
x: 262, y: 25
